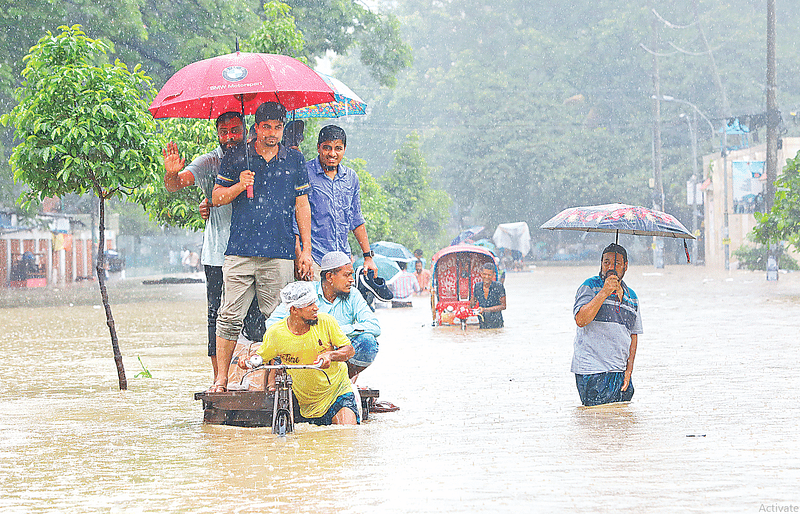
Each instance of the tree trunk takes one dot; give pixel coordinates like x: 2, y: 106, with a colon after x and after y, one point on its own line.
x: 101, y: 279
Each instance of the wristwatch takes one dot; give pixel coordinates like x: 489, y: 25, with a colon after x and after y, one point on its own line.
x: 369, y: 254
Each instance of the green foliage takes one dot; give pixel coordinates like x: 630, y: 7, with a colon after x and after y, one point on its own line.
x: 277, y: 34
x: 145, y: 373
x: 194, y: 138
x: 341, y: 25
x: 526, y: 108
x: 374, y: 206
x: 782, y: 223
x: 419, y: 211
x: 83, y: 124
x: 754, y: 258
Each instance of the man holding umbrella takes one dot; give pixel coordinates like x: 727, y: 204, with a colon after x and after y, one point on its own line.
x: 607, y: 314
x: 261, y: 247
x: 203, y: 172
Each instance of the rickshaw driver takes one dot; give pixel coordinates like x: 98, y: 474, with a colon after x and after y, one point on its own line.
x: 337, y: 296
x: 311, y: 337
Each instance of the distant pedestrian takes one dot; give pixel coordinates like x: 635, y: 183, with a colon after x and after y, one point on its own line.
x: 403, y: 285
x: 423, y: 277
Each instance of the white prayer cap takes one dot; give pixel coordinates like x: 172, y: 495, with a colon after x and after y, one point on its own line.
x: 298, y: 294
x: 333, y: 260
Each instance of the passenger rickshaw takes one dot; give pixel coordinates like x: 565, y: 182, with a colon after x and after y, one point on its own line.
x: 455, y: 271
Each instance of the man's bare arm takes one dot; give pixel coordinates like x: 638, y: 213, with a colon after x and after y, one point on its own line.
x: 224, y: 195
x: 587, y: 313
x: 629, y: 365
x: 302, y: 212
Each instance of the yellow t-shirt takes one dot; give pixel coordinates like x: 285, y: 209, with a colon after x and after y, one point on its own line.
x: 314, y: 394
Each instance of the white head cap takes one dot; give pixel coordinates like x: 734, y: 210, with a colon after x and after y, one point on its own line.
x: 298, y: 294
x: 333, y: 260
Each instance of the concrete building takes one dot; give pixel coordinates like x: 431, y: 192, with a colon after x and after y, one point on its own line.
x: 743, y: 175
x: 56, y: 253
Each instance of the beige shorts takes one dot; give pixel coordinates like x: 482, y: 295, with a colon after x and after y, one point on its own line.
x: 246, y: 277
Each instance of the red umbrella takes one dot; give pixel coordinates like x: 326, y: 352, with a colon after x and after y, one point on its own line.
x: 239, y: 82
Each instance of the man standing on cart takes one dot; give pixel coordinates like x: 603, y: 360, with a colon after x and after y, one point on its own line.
x: 203, y: 172
x: 261, y: 251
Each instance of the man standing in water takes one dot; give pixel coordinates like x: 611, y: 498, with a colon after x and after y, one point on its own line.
x: 203, y: 172
x: 261, y: 247
x: 311, y: 337
x: 607, y: 314
x: 489, y: 296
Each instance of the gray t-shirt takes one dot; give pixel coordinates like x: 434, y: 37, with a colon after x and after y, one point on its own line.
x: 604, y: 344
x: 218, y: 227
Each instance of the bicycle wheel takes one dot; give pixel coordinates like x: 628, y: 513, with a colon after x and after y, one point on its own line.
x: 282, y: 423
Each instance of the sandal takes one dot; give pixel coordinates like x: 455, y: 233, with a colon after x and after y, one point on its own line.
x: 217, y: 388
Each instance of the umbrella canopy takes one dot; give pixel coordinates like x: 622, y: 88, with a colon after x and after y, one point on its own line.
x: 239, y: 82
x: 387, y: 268
x: 345, y: 103
x: 620, y: 219
x: 466, y: 234
x: 394, y: 251
x: 486, y: 244
x: 514, y: 236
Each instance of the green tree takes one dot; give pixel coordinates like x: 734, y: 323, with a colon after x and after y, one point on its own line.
x: 419, y: 210
x: 782, y: 223
x: 374, y: 206
x: 278, y: 33
x: 525, y: 108
x: 84, y: 127
x: 342, y: 26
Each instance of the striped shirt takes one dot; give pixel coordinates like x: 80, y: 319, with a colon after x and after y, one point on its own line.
x: 604, y: 344
x: 403, y: 285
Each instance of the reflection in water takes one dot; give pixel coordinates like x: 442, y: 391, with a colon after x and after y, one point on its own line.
x: 489, y: 422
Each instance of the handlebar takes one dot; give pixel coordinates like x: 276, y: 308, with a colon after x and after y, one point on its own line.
x: 283, y: 367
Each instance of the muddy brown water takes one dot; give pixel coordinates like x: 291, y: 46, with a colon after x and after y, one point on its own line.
x: 489, y: 422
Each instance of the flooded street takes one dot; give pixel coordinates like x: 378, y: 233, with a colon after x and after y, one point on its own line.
x: 489, y: 421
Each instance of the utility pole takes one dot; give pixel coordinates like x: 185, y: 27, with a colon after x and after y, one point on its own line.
x: 693, y: 128
x: 658, y: 187
x: 773, y: 119
x: 773, y: 116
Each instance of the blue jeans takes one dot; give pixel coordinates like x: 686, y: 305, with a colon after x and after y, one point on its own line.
x: 347, y: 400
x: 366, y: 347
x: 601, y: 388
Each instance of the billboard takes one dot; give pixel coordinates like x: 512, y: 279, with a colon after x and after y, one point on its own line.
x: 748, y: 184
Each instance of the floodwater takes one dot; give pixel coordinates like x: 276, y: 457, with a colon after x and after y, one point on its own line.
x: 489, y: 421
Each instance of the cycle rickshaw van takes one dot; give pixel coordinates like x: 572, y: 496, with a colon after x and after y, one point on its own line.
x: 455, y: 271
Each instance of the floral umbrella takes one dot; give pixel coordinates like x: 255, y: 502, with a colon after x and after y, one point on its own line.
x: 619, y: 219
x: 345, y: 103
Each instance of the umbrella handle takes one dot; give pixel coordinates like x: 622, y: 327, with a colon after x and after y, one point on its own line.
x: 249, y: 191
